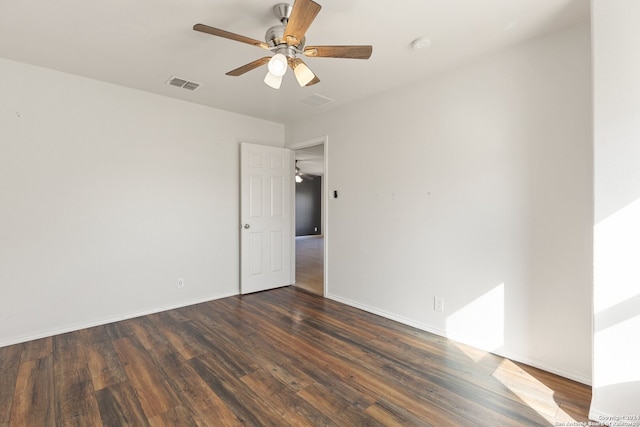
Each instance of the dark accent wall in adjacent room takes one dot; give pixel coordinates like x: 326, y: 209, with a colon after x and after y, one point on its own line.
x: 309, y: 207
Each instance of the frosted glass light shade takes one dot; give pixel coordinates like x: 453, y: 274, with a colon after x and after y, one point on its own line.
x: 278, y: 65
x: 272, y: 80
x: 303, y: 74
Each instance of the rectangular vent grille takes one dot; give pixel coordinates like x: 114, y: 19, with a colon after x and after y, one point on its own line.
x: 317, y: 100
x: 183, y: 83
x: 191, y: 86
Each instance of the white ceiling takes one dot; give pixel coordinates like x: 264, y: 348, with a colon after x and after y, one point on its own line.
x: 142, y: 43
x: 310, y: 160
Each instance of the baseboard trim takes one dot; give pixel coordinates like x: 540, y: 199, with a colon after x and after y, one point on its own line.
x: 107, y: 320
x: 388, y: 315
x: 443, y: 333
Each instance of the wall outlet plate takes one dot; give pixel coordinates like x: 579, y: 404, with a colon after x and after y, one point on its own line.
x: 438, y: 304
x: 181, y: 283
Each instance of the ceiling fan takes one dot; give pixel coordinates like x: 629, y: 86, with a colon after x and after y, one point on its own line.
x: 301, y: 176
x: 287, y: 41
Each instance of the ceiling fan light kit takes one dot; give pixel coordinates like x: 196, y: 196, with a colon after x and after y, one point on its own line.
x: 273, y: 80
x: 286, y: 41
x: 278, y: 65
x: 303, y: 74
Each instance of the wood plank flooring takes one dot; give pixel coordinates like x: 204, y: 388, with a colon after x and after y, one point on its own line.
x: 310, y: 264
x: 277, y: 358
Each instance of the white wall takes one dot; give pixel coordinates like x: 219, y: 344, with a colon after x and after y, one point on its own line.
x: 107, y: 196
x: 616, y: 370
x: 475, y: 186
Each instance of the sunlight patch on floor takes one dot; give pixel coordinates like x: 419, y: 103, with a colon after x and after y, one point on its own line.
x: 528, y: 389
x: 531, y: 391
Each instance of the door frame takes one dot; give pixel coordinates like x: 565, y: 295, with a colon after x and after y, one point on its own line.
x: 325, y: 210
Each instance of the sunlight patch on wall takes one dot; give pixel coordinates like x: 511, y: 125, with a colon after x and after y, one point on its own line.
x: 617, y: 343
x: 481, y: 322
x: 616, y: 257
x: 617, y: 296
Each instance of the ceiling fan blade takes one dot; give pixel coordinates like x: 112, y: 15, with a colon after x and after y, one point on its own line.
x: 302, y: 15
x: 248, y: 67
x: 353, y: 52
x: 231, y: 36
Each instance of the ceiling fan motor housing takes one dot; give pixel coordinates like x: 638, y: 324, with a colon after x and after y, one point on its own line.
x: 275, y: 35
x: 275, y: 38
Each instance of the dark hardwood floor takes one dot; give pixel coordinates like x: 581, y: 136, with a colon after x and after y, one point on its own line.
x: 310, y: 264
x: 276, y: 358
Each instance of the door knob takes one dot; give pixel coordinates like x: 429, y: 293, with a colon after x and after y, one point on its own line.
x: 247, y: 226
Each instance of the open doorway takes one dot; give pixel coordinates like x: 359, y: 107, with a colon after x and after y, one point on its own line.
x: 310, y: 226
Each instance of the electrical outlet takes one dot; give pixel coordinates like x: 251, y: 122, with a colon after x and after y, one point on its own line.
x: 181, y: 282
x: 438, y: 304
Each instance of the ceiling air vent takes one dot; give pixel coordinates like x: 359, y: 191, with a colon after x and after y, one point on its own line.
x: 183, y: 83
x: 316, y: 100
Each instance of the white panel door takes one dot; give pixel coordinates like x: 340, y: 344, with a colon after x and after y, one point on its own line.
x: 266, y: 174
